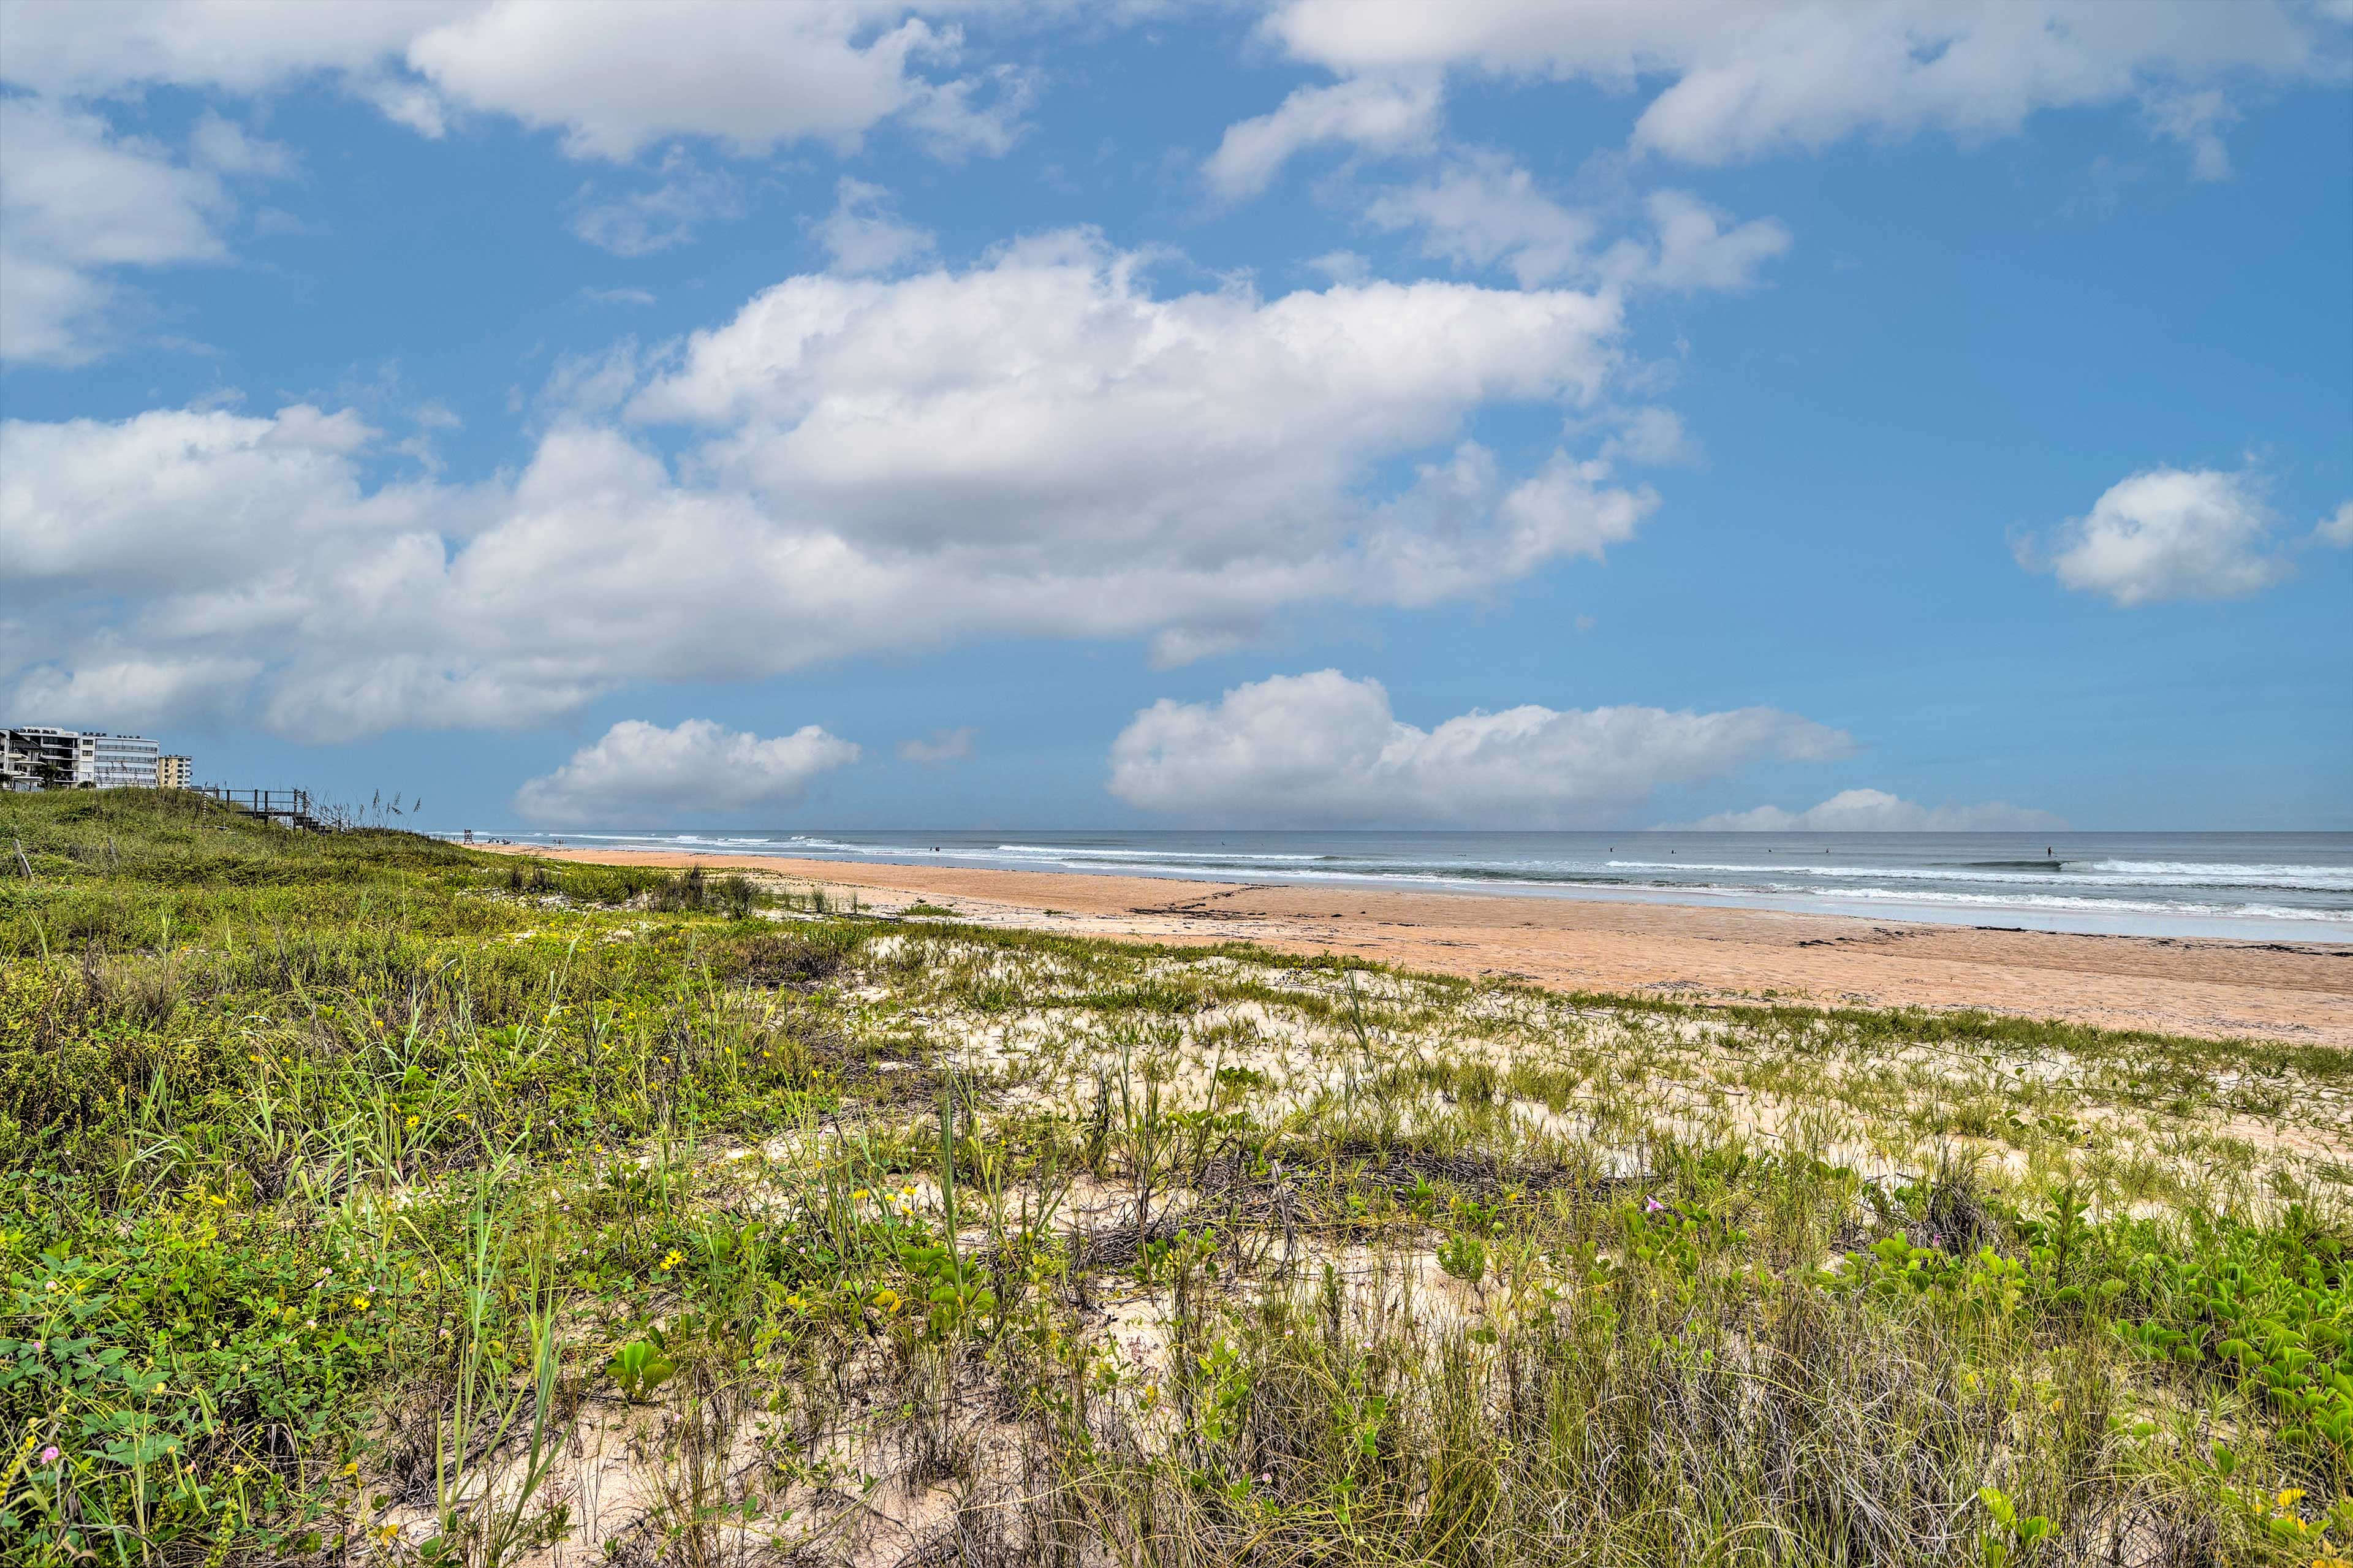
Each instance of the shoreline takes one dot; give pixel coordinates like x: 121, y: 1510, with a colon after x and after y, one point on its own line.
x: 2211, y: 987
x: 1785, y: 876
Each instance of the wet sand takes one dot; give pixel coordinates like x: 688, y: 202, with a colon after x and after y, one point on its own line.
x: 2288, y: 991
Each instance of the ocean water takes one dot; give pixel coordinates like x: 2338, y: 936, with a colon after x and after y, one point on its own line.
x: 2259, y: 886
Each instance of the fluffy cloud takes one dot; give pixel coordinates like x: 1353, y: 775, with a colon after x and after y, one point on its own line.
x: 940, y: 746
x: 1322, y: 748
x: 662, y: 215
x: 1653, y: 437
x: 1696, y: 251
x: 228, y: 147
x: 612, y: 76
x: 2196, y: 121
x: 203, y: 501
x: 642, y: 775
x: 2336, y: 527
x: 1037, y: 446
x: 102, y: 47
x: 181, y: 688
x: 1377, y: 115
x: 2165, y: 534
x: 1876, y: 811
x: 863, y: 233
x: 1484, y: 210
x: 77, y: 203
x: 1110, y: 460
x: 1748, y: 79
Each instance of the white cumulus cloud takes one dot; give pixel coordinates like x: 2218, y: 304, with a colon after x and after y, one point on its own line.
x: 640, y: 221
x: 1876, y: 811
x: 2336, y: 527
x: 1323, y: 748
x: 2196, y: 121
x: 2166, y: 534
x: 642, y: 775
x: 1696, y: 249
x: 1376, y: 115
x: 611, y: 77
x: 1654, y: 438
x: 864, y: 234
x: 1743, y: 80
x: 97, y: 47
x: 78, y: 204
x: 1484, y: 210
x: 1038, y: 446
x: 228, y: 147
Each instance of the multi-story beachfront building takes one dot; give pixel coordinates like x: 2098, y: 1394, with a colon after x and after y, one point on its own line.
x: 43, y: 756
x: 124, y: 761
x: 49, y: 758
x: 16, y: 764
x: 173, y: 773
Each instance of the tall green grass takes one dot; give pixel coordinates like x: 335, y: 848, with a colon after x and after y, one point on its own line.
x: 363, y: 1198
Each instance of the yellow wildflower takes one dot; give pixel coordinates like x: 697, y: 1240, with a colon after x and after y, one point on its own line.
x: 674, y: 1258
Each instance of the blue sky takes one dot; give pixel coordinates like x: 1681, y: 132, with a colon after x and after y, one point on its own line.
x: 1352, y: 413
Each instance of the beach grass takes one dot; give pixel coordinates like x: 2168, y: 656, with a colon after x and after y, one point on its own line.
x: 370, y: 1199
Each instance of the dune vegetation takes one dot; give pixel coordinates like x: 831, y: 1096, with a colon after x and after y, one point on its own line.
x: 364, y: 1198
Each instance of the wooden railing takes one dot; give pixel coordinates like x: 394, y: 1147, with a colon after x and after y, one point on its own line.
x: 291, y: 806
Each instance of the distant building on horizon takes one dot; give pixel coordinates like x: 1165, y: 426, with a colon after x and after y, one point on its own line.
x: 174, y: 772
x: 46, y: 756
x: 123, y: 761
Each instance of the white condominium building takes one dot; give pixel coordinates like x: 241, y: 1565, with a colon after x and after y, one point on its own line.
x: 43, y: 756
x: 124, y: 761
x: 49, y: 758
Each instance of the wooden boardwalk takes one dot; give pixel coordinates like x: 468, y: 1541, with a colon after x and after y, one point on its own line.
x: 288, y: 807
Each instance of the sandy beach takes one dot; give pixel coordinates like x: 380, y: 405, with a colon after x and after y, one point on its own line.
x: 2288, y: 991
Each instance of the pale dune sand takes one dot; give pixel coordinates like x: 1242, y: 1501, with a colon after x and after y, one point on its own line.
x: 2288, y: 991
